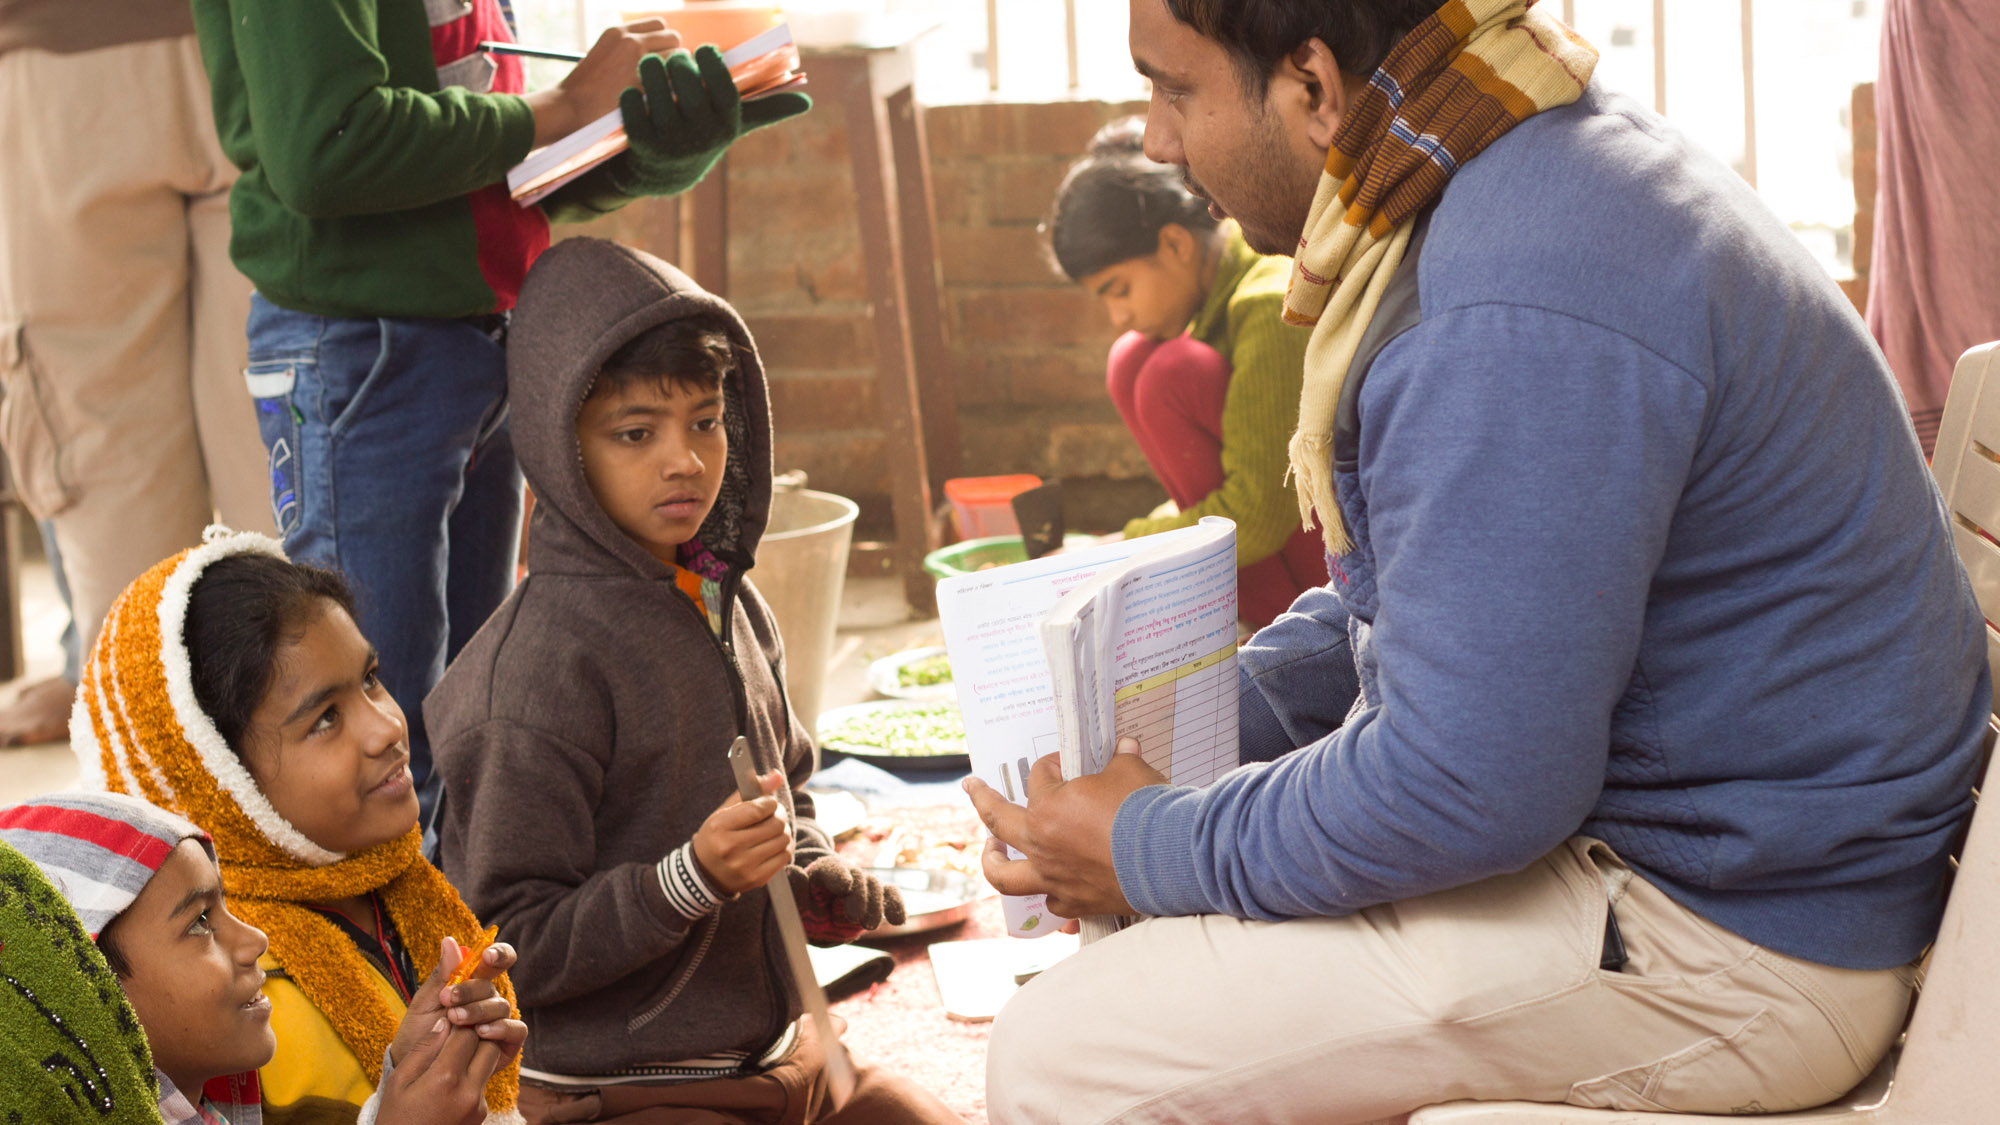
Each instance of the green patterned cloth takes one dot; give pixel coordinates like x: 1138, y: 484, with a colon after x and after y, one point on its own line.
x: 1242, y: 319
x: 71, y: 1049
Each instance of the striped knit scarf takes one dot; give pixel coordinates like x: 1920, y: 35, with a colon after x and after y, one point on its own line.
x: 1452, y: 86
x: 137, y: 728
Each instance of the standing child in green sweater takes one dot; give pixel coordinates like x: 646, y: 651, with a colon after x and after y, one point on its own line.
x: 1206, y: 376
x: 372, y: 215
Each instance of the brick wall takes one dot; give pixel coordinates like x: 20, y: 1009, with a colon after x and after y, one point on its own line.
x: 1027, y: 347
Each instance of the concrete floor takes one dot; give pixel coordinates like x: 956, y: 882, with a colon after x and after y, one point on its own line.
x: 27, y: 771
x: 874, y: 622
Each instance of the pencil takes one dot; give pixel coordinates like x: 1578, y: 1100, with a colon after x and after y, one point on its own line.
x: 470, y: 962
x: 495, y: 48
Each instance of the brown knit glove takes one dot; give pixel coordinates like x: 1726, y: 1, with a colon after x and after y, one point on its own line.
x: 839, y: 902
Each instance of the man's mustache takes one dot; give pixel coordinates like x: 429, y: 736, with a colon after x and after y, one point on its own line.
x: 1193, y: 185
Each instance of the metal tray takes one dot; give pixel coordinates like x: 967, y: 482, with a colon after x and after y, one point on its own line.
x: 934, y: 899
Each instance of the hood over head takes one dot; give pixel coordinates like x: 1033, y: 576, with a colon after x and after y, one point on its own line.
x: 585, y: 299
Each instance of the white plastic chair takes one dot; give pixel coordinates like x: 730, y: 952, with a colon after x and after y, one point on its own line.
x: 1946, y: 1072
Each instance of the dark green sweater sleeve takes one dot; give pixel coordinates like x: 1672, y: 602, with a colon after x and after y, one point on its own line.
x: 592, y: 195
x: 343, y: 128
x: 1261, y: 409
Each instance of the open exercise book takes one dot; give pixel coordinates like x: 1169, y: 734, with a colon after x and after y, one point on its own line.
x: 761, y: 66
x: 1067, y: 653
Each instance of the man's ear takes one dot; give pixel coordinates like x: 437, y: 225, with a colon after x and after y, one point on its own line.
x: 1323, y: 90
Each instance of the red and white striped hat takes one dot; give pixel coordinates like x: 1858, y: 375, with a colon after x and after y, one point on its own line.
x: 99, y: 849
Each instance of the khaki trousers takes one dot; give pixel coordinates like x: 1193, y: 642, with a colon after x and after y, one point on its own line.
x: 125, y: 420
x: 1490, y: 991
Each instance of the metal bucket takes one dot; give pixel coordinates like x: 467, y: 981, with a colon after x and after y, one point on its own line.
x: 801, y: 568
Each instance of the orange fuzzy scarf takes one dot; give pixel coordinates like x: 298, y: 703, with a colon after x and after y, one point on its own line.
x: 138, y: 729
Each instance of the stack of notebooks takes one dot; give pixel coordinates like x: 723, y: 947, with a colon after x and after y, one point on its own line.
x: 765, y: 65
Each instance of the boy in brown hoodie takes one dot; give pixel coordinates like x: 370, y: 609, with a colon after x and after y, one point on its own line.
x: 583, y: 732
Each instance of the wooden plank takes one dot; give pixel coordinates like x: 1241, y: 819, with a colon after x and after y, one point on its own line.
x: 924, y: 291
x: 709, y: 254
x: 1749, y: 93
x: 1660, y: 57
x: 661, y: 230
x: 1069, y: 35
x: 848, y: 79
x: 993, y: 45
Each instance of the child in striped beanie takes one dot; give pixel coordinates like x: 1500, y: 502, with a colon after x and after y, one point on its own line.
x: 143, y: 885
x: 232, y: 686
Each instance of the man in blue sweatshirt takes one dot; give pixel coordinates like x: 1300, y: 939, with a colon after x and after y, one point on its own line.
x: 1620, y: 760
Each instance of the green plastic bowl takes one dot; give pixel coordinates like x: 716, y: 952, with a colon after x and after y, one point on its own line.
x: 984, y: 554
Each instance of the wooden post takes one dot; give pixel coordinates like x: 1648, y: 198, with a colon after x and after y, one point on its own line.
x: 993, y: 45
x: 709, y: 252
x: 1660, y: 57
x: 662, y: 228
x: 1069, y: 27
x: 1749, y: 94
x: 851, y: 80
x: 924, y: 288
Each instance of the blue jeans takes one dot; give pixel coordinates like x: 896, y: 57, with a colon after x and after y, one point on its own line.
x: 390, y: 462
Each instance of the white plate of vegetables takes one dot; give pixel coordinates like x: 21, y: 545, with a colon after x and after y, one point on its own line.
x: 897, y: 734
x: 918, y: 673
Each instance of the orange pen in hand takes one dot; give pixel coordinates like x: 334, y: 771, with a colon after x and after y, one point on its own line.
x: 471, y: 959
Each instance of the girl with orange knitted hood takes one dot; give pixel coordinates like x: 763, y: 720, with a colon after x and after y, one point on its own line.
x: 232, y: 686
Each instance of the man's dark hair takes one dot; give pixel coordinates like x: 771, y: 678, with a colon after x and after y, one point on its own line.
x: 242, y: 610
x: 1113, y: 203
x: 681, y: 353
x: 1259, y: 33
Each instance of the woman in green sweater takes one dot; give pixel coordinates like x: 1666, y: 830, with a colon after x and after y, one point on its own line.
x: 1206, y: 375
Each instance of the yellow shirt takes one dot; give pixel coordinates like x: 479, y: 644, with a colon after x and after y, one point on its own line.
x: 314, y: 1079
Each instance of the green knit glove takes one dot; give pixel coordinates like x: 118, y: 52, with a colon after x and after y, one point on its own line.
x: 688, y: 115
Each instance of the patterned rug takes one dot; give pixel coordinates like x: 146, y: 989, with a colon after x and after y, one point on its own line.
x: 900, y: 1023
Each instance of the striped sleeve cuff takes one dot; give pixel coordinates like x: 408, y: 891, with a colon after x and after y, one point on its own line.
x: 686, y: 890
